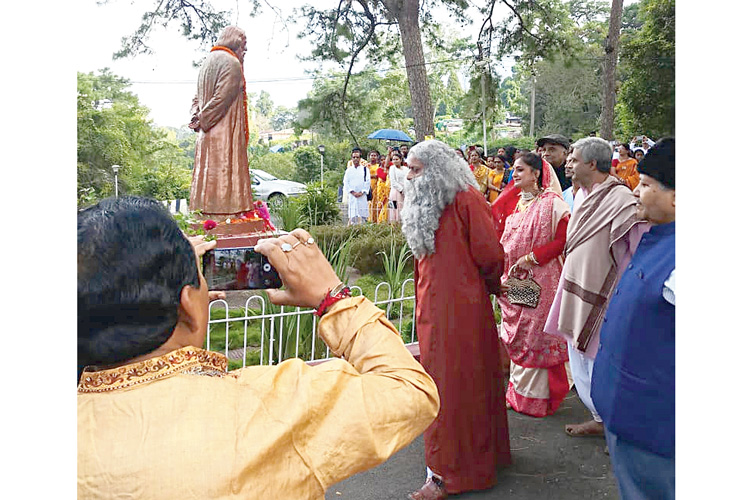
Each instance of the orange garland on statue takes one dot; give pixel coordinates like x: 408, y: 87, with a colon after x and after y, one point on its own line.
x: 244, y: 92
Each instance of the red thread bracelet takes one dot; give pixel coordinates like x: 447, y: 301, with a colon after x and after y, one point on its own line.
x: 329, y: 300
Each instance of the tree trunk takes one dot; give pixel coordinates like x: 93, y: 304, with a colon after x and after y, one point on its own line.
x: 610, y: 64
x: 406, y: 12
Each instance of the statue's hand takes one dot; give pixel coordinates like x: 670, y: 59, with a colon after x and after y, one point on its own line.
x: 195, y: 124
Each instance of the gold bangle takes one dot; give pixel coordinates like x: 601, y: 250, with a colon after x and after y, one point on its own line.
x: 532, y: 258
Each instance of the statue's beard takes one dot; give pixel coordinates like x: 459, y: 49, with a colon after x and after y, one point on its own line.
x: 420, y: 216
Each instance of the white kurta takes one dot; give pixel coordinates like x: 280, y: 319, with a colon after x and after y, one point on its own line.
x: 398, y: 177
x: 357, y: 179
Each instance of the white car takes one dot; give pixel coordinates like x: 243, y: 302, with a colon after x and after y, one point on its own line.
x: 272, y: 190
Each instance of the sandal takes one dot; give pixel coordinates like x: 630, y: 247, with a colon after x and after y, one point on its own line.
x: 590, y: 428
x: 433, y: 489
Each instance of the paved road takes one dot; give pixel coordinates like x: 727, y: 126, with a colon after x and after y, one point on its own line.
x: 547, y: 464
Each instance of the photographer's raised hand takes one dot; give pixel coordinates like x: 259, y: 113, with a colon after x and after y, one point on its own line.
x: 306, y: 273
x: 200, y: 246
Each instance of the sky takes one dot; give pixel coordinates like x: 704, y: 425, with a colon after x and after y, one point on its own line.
x: 165, y: 81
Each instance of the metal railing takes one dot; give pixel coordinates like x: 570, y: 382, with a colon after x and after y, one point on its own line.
x: 285, y: 333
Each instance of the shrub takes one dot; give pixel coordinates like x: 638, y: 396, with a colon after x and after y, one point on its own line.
x: 398, y: 265
x: 367, y: 241
x: 318, y: 206
x: 288, y: 214
x: 307, y: 160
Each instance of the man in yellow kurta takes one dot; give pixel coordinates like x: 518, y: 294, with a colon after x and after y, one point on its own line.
x: 161, y: 418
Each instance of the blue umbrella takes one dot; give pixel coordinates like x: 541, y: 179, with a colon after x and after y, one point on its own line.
x: 390, y: 134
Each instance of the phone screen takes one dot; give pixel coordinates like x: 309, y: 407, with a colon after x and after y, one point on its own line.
x: 238, y: 269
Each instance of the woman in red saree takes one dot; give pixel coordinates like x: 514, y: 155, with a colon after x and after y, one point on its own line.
x: 533, y: 239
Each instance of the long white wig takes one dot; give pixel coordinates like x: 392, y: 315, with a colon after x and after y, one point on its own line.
x: 425, y: 196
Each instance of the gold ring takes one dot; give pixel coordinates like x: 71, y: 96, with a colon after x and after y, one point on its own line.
x: 295, y: 245
x: 310, y: 241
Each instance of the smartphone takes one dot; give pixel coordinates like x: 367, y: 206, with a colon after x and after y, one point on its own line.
x: 238, y: 269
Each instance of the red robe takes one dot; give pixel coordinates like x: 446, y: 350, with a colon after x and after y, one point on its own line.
x: 459, y: 346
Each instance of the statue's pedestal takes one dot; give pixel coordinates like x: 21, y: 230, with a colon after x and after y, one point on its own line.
x: 239, y: 234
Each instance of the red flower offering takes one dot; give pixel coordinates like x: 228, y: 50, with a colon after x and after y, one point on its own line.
x: 209, y: 225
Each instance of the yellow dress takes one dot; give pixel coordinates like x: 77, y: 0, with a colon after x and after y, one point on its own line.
x: 481, y: 172
x: 384, y: 189
x: 374, y: 190
x: 494, y: 180
x: 180, y: 426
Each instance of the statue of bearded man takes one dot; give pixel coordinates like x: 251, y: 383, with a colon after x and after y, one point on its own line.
x: 221, y: 180
x: 458, y: 262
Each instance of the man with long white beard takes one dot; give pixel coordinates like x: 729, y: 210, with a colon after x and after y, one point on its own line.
x: 458, y: 264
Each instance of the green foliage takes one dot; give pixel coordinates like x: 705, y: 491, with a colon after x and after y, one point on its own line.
x: 476, y: 102
x: 264, y: 104
x: 568, y: 76
x: 317, y: 206
x: 186, y: 221
x: 368, y: 283
x: 219, y: 339
x: 379, y: 101
x: 366, y: 241
x: 198, y: 21
x: 280, y: 165
x: 525, y: 142
x: 113, y: 129
x: 379, y: 238
x: 307, y: 159
x: 398, y: 264
x: 569, y: 94
x: 532, y: 30
x: 647, y: 57
x: 168, y: 182
x: 288, y: 214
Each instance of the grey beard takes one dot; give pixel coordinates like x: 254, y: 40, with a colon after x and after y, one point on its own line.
x: 420, y: 217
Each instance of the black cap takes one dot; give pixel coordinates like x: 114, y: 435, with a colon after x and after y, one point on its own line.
x: 659, y: 162
x: 554, y: 139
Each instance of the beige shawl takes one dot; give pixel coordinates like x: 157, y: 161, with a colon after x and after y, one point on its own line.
x: 590, y: 273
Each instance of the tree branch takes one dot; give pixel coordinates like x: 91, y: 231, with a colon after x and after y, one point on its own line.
x: 520, y: 20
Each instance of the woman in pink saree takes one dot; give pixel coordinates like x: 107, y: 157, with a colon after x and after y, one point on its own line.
x: 533, y: 239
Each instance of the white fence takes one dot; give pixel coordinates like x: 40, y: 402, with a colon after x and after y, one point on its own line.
x: 291, y: 332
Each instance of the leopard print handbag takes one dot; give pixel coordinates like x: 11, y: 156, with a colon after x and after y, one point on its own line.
x: 524, y: 292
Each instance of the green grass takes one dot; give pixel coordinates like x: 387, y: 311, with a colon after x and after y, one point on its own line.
x: 369, y: 282
x: 288, y: 332
x: 218, y: 335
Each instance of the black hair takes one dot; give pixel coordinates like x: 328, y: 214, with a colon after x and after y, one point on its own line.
x: 534, y: 161
x: 659, y: 162
x: 627, y: 148
x: 133, y: 262
x: 357, y: 150
x: 509, y: 152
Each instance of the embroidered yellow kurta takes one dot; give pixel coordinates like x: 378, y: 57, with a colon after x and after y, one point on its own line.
x: 179, y: 426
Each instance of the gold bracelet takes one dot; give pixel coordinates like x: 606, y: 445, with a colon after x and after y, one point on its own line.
x: 532, y: 258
